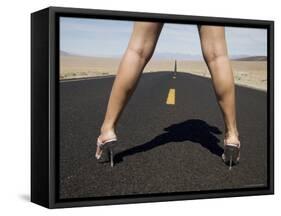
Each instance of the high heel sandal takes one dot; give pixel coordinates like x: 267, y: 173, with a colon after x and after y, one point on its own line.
x: 231, y: 155
x: 107, y: 149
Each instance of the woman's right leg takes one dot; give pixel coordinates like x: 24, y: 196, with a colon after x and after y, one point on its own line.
x: 139, y: 51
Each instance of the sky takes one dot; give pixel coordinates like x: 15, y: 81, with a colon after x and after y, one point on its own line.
x: 109, y: 38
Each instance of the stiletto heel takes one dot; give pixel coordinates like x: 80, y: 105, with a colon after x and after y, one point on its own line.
x: 111, y: 157
x: 230, y: 163
x: 231, y: 155
x: 107, y: 151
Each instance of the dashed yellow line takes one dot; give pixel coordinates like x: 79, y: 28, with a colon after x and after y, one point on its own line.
x: 171, y: 99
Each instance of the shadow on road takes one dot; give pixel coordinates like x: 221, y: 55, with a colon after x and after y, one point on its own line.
x: 194, y: 130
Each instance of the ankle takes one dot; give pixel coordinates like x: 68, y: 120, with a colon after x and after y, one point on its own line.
x: 231, y: 132
x: 231, y: 136
x: 107, y: 129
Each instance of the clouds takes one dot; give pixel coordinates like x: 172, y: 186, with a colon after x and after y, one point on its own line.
x: 99, y: 37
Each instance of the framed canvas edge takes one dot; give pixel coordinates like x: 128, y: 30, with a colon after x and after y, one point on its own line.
x: 54, y: 12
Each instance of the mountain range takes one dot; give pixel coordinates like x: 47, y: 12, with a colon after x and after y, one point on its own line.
x: 179, y: 56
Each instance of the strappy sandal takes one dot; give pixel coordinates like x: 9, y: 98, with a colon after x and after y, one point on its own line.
x: 231, y: 155
x: 107, y: 150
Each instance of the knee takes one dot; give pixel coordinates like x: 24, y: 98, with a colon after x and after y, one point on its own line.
x: 142, y: 51
x: 214, y: 52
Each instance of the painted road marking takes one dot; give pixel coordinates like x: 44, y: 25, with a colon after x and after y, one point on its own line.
x: 171, y: 99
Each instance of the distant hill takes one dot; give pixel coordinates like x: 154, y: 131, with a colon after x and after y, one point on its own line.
x: 180, y: 56
x: 252, y: 58
x: 63, y: 53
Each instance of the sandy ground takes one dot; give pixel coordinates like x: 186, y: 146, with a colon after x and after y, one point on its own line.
x: 246, y: 73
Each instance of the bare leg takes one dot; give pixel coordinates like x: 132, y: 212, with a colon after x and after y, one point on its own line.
x: 139, y: 51
x: 215, y: 54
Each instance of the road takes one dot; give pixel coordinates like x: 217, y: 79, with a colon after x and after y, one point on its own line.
x: 162, y: 147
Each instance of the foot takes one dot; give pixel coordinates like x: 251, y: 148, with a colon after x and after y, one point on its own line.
x: 232, y: 138
x: 103, y: 137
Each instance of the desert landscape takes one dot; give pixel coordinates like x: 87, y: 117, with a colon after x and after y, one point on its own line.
x: 248, y: 71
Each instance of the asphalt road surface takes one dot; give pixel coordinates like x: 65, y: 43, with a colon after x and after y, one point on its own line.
x: 161, y: 147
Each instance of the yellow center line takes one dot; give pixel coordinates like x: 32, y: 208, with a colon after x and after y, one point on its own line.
x: 171, y: 99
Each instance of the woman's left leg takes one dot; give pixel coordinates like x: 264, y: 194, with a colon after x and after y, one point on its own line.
x: 215, y: 54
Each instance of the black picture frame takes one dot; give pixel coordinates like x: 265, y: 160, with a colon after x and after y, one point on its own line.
x: 45, y: 105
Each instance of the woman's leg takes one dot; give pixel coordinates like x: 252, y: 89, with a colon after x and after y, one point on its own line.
x: 139, y: 51
x: 215, y: 54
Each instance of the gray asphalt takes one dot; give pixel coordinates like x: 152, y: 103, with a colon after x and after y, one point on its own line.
x: 161, y: 148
